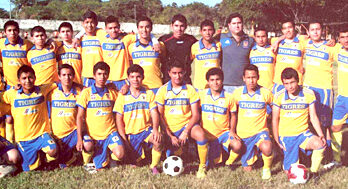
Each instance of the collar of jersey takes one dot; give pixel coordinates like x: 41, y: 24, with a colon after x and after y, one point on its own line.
x: 72, y: 90
x: 37, y: 90
x: 255, y: 47
x: 108, y: 36
x: 258, y: 90
x: 19, y: 41
x: 137, y: 43
x: 170, y: 87
x: 300, y: 94
x: 94, y: 90
x: 222, y: 93
x: 142, y: 90
x: 201, y: 45
x: 34, y: 48
x: 312, y: 43
x: 296, y: 40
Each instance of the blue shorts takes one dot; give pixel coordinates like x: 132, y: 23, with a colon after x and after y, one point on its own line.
x: 101, y: 152
x: 277, y: 88
x: 250, y: 155
x: 323, y: 105
x: 118, y: 84
x: 29, y: 150
x: 292, y: 145
x: 67, y: 146
x: 340, y: 113
x: 215, y: 148
x: 139, y: 141
x: 87, y: 82
x: 7, y: 146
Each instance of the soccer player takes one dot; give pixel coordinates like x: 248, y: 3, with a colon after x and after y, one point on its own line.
x: 262, y: 56
x: 141, y: 52
x: 63, y: 114
x: 66, y: 53
x: 31, y: 123
x: 178, y: 45
x: 236, y: 46
x: 42, y: 58
x: 206, y: 54
x: 293, y: 106
x: 178, y: 105
x: 9, y: 156
x: 95, y: 117
x: 137, y: 118
x: 251, y: 129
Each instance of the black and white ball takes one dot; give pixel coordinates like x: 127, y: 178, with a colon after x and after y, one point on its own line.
x: 298, y: 174
x: 173, y: 166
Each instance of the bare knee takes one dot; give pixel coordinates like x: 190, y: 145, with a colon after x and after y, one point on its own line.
x: 52, y: 153
x: 13, y: 156
x: 88, y: 146
x: 236, y: 145
x: 118, y: 152
x: 316, y: 143
x: 157, y: 146
x: 197, y: 133
x: 266, y: 147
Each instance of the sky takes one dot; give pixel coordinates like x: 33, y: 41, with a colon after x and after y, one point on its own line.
x: 5, y: 4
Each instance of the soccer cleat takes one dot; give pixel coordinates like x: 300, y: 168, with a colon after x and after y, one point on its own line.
x: 155, y: 171
x: 332, y: 165
x: 266, y: 174
x: 6, y: 170
x: 90, y: 168
x: 202, y: 172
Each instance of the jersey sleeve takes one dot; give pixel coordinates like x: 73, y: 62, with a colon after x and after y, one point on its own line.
x: 159, y: 99
x: 277, y: 100
x: 118, y: 107
x: 129, y: 39
x: 152, y: 103
x: 5, y: 109
x: 82, y: 99
x: 193, y: 96
x: 47, y: 88
x: 6, y: 97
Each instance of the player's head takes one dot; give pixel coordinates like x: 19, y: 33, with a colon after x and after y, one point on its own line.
x: 290, y: 79
x: 66, y: 31
x: 144, y: 25
x: 101, y: 72
x: 176, y: 72
x: 66, y: 74
x: 315, y: 30
x: 288, y: 28
x: 26, y: 77
x: 260, y: 36
x: 251, y: 76
x: 207, y: 30
x: 112, y: 26
x: 11, y: 29
x: 90, y: 21
x: 135, y: 75
x: 179, y: 24
x: 343, y: 36
x: 38, y: 35
x: 215, y: 78
x: 235, y: 23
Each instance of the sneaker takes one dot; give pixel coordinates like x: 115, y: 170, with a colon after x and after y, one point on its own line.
x: 7, y: 170
x: 266, y: 174
x: 90, y: 168
x: 332, y: 165
x: 202, y: 172
x: 155, y: 171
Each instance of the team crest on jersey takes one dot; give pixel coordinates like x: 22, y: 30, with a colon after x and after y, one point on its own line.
x: 110, y: 54
x: 257, y: 97
x: 184, y: 94
x: 227, y: 42
x: 245, y: 44
x: 143, y: 97
x: 56, y: 95
x: 93, y: 96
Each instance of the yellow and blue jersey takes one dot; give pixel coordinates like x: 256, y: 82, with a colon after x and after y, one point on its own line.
x: 44, y: 63
x: 294, y: 113
x: 216, y: 112
x: 29, y: 111
x: 204, y: 59
x: 71, y: 56
x: 98, y: 104
x: 341, y: 56
x: 91, y: 53
x: 318, y: 63
x: 13, y: 57
x: 264, y: 59
x: 63, y: 110
x: 252, y: 110
x: 136, y: 111
x: 149, y: 60
x: 177, y: 106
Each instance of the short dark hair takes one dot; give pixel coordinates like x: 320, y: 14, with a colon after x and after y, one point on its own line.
x: 25, y: 69
x: 90, y: 14
x: 101, y: 66
x: 234, y: 15
x: 176, y: 64
x: 214, y: 71
x: 66, y: 66
x: 286, y: 20
x: 135, y: 68
x: 315, y: 22
x: 260, y: 28
x: 343, y: 28
x: 179, y: 17
x: 11, y: 23
x: 65, y: 25
x: 251, y: 67
x: 207, y: 22
x: 111, y: 19
x: 37, y: 29
x: 289, y: 73
x: 144, y: 18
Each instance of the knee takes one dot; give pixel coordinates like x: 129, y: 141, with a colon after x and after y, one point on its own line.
x: 13, y: 156
x: 266, y: 147
x: 118, y: 152
x: 336, y: 128
x: 9, y: 120
x: 317, y: 144
x: 88, y: 146
x: 198, y: 134
x: 236, y: 146
x: 52, y: 153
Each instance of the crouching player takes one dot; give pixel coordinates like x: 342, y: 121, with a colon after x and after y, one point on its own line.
x: 137, y: 118
x: 178, y: 105
x: 95, y: 106
x: 251, y: 101
x: 292, y: 107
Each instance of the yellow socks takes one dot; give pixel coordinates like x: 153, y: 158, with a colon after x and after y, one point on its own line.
x: 202, y: 147
x: 3, y: 132
x: 87, y: 156
x: 156, y: 158
x: 317, y: 157
x: 267, y: 161
x: 233, y: 156
x: 336, y: 145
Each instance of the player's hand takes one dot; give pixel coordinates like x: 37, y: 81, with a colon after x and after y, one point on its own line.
x: 79, y: 145
x: 274, y: 47
x: 331, y: 43
x: 76, y: 42
x: 234, y: 135
x: 175, y: 141
x: 157, y: 137
x: 157, y: 48
x: 124, y: 89
x: 323, y: 140
x: 17, y: 87
x: 111, y: 86
x: 183, y: 137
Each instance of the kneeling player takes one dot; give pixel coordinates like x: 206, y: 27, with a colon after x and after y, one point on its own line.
x: 179, y: 114
x: 95, y: 105
x: 251, y: 102
x: 292, y: 107
x: 138, y: 119
x: 8, y: 157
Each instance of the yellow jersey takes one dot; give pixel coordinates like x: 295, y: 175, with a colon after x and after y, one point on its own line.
x: 91, y: 53
x: 71, y: 56
x: 341, y: 56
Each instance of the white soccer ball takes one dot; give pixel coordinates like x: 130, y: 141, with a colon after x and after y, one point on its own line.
x: 173, y: 166
x: 298, y: 174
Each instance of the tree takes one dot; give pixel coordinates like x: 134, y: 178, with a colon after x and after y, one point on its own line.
x: 4, y: 13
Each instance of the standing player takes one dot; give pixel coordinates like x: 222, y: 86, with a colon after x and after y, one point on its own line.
x: 206, y: 54
x: 95, y: 106
x: 66, y: 53
x: 292, y: 107
x: 141, y: 52
x: 138, y: 119
x: 178, y: 45
x: 31, y: 124
x: 63, y: 114
x: 178, y: 105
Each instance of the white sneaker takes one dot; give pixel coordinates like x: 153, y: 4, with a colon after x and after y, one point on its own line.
x: 90, y: 168
x: 332, y: 165
x: 6, y: 170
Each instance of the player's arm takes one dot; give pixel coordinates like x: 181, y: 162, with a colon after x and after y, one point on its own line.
x: 157, y: 137
x: 80, y: 122
x: 192, y: 122
x: 174, y: 140
x: 315, y: 122
x: 275, y: 125
x: 121, y: 126
x: 233, y: 124
x: 275, y: 43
